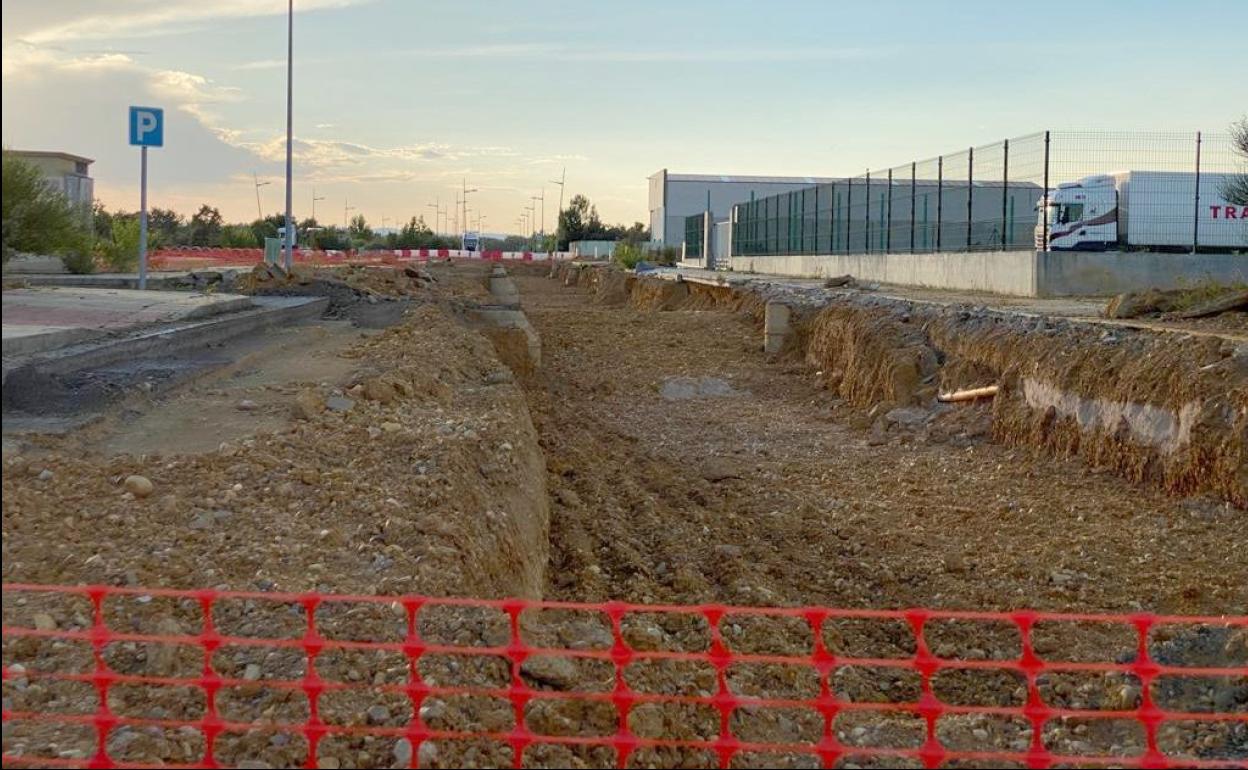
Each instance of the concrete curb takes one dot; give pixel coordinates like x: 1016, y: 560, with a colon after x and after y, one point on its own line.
x: 267, y: 312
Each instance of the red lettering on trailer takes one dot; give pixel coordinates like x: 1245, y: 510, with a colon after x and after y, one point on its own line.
x: 1214, y: 211
x: 1230, y: 212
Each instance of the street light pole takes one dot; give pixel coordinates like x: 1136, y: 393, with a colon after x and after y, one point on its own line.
x: 259, y: 184
x: 562, y: 178
x: 542, y: 198
x: 290, y: 107
x: 435, y: 208
x: 314, y: 200
x: 345, y: 208
x: 465, y: 202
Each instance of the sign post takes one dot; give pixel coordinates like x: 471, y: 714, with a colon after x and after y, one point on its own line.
x: 147, y: 129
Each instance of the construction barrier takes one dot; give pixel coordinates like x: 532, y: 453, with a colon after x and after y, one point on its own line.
x: 609, y: 683
x: 197, y: 257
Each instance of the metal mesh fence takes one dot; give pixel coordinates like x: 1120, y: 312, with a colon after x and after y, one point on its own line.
x: 104, y: 676
x: 694, y: 231
x: 1099, y: 190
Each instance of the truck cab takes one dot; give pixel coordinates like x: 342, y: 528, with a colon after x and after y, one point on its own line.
x: 1082, y: 216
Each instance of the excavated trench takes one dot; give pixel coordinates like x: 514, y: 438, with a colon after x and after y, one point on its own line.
x: 685, y: 466
x: 1159, y: 408
x: 682, y: 465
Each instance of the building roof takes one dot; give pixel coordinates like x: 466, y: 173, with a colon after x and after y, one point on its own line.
x: 51, y: 154
x: 729, y: 178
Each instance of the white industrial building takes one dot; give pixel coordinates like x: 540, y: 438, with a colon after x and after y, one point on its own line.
x: 676, y: 196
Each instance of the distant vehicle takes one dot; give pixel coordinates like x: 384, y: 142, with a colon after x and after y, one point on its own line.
x: 472, y: 241
x: 1143, y: 210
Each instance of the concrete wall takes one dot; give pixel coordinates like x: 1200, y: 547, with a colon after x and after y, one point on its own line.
x: 1073, y: 273
x: 1019, y: 273
x: 1001, y: 272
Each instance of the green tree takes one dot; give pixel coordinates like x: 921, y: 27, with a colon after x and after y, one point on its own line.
x: 359, y: 230
x: 39, y: 219
x: 238, y: 237
x: 120, y: 250
x: 331, y: 238
x: 206, y: 227
x: 1235, y: 189
x: 414, y: 235
x: 166, y: 227
x: 267, y: 227
x: 578, y: 221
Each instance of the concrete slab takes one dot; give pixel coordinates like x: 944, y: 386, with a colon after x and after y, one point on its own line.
x: 165, y: 279
x: 46, y: 318
x: 165, y: 353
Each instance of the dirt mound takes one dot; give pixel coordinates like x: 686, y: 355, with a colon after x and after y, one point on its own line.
x: 613, y: 287
x: 659, y: 295
x: 424, y: 476
x: 870, y: 356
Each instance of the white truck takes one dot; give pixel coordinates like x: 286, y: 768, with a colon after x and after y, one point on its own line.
x: 1132, y: 210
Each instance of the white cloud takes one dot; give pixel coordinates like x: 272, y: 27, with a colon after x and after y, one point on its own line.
x: 146, y: 18
x: 593, y: 53
x: 261, y: 64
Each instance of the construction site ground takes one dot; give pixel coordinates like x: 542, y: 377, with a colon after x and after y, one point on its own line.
x: 766, y: 489
x: 653, y: 457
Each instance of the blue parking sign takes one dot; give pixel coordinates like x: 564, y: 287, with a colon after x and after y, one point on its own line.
x: 147, y: 126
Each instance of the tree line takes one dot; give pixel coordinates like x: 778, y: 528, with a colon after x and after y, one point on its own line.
x: 39, y: 219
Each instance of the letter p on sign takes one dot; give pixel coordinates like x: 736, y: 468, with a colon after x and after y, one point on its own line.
x: 147, y: 126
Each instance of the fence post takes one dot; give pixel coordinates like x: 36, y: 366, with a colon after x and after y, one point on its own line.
x: 866, y: 236
x: 940, y: 195
x: 888, y: 226
x: 849, y: 210
x: 970, y: 193
x: 1045, y: 217
x: 914, y: 200
x: 802, y: 232
x: 1005, y: 195
x: 1196, y: 202
x: 833, y: 204
x: 815, y: 236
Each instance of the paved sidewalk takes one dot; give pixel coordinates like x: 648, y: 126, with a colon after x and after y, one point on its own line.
x: 40, y: 319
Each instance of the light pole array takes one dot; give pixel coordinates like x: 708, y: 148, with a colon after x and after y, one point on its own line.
x: 259, y: 184
x: 437, y: 210
x: 465, y: 202
x: 562, y: 178
x: 542, y: 198
x: 314, y: 200
x: 290, y: 108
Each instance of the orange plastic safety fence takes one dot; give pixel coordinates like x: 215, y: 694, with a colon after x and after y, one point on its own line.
x: 1177, y: 724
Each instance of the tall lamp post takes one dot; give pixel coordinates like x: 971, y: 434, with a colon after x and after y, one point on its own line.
x: 437, y: 210
x: 542, y: 221
x: 314, y: 200
x: 290, y: 107
x: 562, y: 178
x: 465, y: 202
x: 259, y: 184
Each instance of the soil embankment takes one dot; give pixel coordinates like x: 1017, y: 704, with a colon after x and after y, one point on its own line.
x: 1159, y: 408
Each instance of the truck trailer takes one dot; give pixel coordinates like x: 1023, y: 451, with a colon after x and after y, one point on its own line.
x: 1137, y: 210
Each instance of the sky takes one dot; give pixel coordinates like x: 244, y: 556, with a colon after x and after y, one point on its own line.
x: 397, y: 102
